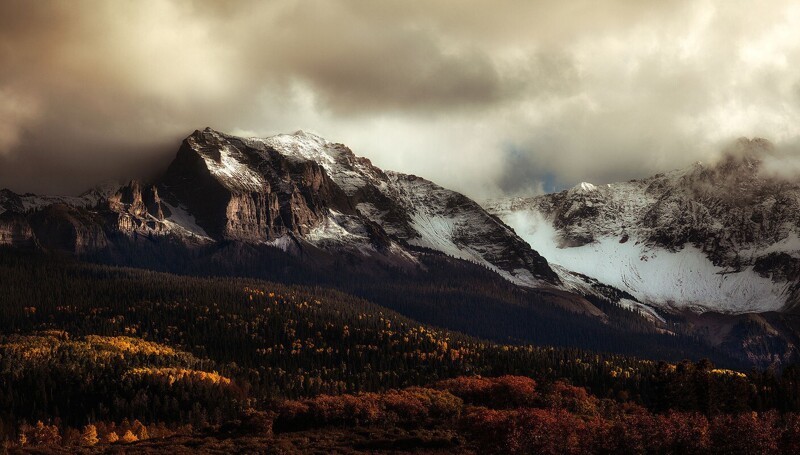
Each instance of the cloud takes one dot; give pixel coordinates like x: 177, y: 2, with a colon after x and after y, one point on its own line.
x: 15, y: 112
x: 484, y: 97
x: 782, y: 162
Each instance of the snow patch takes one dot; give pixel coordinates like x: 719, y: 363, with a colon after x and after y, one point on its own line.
x: 790, y: 244
x: 436, y: 233
x: 303, y: 146
x: 181, y: 220
x: 232, y: 171
x: 341, y: 166
x: 33, y: 203
x: 285, y: 243
x: 645, y: 310
x: 342, y: 229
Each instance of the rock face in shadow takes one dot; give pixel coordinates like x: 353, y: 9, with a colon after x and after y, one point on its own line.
x: 135, y: 209
x: 63, y: 228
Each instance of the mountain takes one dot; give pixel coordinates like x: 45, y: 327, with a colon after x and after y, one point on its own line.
x: 297, y: 208
x: 297, y: 192
x: 719, y: 238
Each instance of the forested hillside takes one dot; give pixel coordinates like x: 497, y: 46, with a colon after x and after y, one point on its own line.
x: 449, y: 293
x: 123, y: 348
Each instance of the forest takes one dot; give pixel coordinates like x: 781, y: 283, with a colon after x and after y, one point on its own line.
x: 94, y: 356
x: 450, y: 293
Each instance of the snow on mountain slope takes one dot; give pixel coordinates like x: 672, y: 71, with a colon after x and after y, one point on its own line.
x: 417, y: 211
x: 180, y: 220
x: 225, y: 162
x: 684, y: 279
x: 455, y: 225
x: 705, y: 238
x: 9, y: 201
x: 30, y: 202
x: 350, y: 172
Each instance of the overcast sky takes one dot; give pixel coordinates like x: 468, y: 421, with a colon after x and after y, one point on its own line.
x: 490, y: 97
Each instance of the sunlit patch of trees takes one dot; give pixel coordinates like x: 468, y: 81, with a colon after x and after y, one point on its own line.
x: 77, y: 380
x: 126, y: 432
x: 169, y: 376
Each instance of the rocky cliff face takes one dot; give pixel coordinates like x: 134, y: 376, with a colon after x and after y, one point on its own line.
x: 292, y: 191
x: 14, y: 228
x: 722, y: 237
x: 61, y: 227
x: 239, y: 192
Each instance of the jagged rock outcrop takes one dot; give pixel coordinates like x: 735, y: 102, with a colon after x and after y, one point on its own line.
x: 15, y: 231
x: 135, y: 209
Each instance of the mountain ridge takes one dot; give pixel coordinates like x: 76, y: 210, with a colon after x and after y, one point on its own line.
x: 722, y: 237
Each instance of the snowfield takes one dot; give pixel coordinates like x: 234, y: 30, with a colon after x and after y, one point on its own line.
x: 684, y: 279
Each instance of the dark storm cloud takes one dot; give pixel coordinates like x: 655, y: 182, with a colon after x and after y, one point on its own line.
x: 579, y: 90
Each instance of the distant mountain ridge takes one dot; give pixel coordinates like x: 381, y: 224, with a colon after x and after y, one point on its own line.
x: 723, y: 238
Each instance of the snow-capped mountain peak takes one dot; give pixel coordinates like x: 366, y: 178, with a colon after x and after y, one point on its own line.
x: 585, y: 187
x: 303, y: 145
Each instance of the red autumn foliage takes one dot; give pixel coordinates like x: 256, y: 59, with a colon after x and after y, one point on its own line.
x: 521, y: 418
x: 747, y: 432
x: 500, y: 392
x: 790, y: 440
x: 541, y: 431
x: 412, y: 406
x: 570, y: 420
x: 685, y: 432
x: 634, y: 430
x: 560, y: 395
